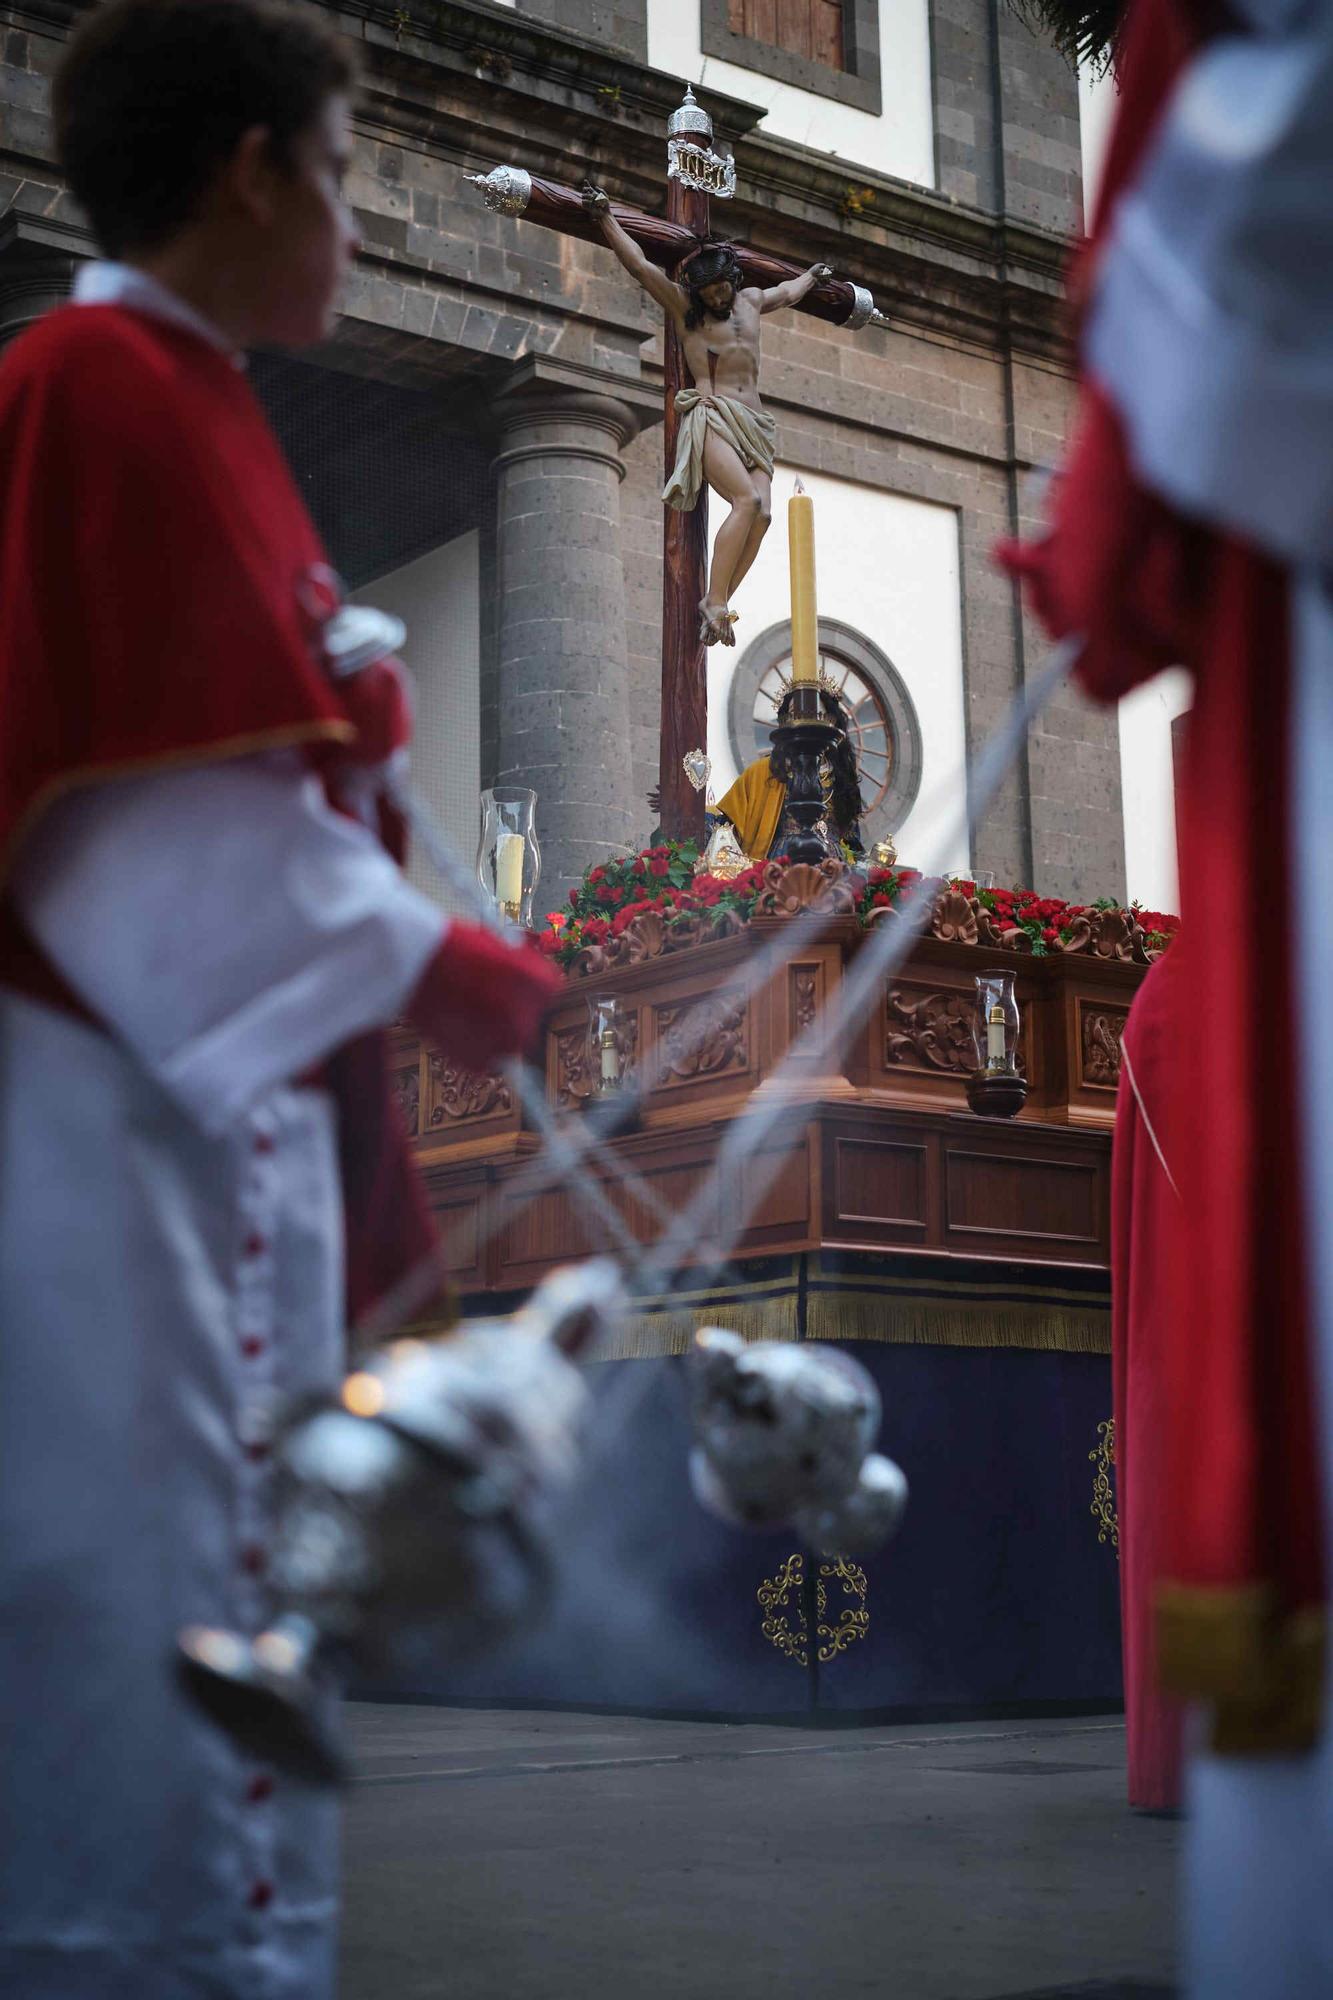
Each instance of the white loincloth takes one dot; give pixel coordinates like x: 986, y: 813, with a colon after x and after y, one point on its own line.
x: 752, y: 435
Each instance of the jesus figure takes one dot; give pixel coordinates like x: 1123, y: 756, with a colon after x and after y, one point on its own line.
x: 726, y: 437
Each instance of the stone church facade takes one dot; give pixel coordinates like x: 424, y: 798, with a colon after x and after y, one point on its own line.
x: 481, y: 442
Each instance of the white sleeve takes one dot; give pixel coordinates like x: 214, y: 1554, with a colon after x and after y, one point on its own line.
x: 225, y: 923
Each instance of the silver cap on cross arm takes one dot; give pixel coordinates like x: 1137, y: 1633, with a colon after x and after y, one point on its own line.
x: 689, y: 119
x: 505, y: 189
x: 864, y: 311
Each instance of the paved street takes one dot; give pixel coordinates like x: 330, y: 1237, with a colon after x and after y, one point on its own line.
x: 502, y: 1856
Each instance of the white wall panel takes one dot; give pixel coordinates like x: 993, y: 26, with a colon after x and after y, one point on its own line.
x: 438, y: 599
x: 900, y: 141
x: 889, y: 567
x: 1147, y: 785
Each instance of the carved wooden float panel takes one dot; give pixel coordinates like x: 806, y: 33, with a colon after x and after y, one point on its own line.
x: 883, y: 1151
x: 965, y: 1186
x: 843, y: 1176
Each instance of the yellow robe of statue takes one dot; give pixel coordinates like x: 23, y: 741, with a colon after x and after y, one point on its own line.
x: 754, y: 807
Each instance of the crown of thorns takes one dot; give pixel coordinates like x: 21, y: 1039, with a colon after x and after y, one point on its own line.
x: 714, y: 264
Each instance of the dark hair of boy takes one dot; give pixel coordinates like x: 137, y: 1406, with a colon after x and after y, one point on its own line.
x: 715, y: 264
x: 153, y: 95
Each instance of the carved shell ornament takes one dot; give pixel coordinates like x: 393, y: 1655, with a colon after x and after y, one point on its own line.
x: 645, y: 938
x: 954, y: 918
x: 788, y: 890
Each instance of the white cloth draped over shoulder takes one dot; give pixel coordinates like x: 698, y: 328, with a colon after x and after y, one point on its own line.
x: 225, y: 922
x: 752, y: 435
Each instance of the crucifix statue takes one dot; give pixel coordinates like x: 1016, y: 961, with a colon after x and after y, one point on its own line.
x: 717, y: 432
x: 725, y: 436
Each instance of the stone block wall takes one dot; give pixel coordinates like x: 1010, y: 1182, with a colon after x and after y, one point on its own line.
x: 966, y: 392
x: 616, y: 24
x: 1006, y: 116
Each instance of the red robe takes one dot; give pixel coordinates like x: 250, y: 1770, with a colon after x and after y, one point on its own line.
x: 1239, y: 1579
x: 1145, y: 1224
x: 157, y: 607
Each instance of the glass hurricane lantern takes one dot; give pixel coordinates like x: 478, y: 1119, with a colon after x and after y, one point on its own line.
x: 509, y: 861
x: 996, y: 1087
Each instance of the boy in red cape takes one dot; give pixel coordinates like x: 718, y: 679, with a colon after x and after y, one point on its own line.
x: 201, y: 943
x: 1194, y: 523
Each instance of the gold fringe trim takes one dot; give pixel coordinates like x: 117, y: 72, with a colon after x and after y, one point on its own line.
x: 927, y: 1322
x: 952, y: 1289
x: 1262, y: 1671
x: 856, y: 1316
x: 646, y: 1336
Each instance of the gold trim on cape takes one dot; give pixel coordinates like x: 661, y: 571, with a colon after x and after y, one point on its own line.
x: 1261, y: 1670
x: 220, y: 752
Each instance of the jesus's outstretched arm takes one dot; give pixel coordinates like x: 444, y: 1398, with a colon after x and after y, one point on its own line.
x: 656, y: 283
x: 793, y: 290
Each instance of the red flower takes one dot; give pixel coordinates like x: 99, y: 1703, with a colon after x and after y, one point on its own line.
x: 659, y: 864
x: 1050, y: 935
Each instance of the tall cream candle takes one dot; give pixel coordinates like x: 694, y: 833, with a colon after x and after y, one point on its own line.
x: 804, y: 616
x: 509, y: 868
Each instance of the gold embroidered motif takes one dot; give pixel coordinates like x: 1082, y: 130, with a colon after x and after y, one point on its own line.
x: 791, y: 1637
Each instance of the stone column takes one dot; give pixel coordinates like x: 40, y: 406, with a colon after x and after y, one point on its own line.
x: 30, y: 286
x: 561, y: 705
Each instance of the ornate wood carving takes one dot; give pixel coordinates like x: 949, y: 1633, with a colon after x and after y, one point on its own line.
x: 790, y: 889
x: 954, y: 917
x: 704, y: 1037
x: 455, y: 1094
x: 933, y: 1032
x: 573, y: 1072
x: 405, y: 1082
x: 804, y: 997
x: 1109, y: 934
x: 1100, y: 1034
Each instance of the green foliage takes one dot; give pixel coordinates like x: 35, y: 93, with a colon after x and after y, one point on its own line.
x: 1084, y: 31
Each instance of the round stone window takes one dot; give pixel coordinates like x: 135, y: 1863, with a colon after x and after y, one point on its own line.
x: 885, y: 730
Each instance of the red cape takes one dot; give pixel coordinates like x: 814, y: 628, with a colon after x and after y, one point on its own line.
x: 150, y: 568
x: 154, y: 611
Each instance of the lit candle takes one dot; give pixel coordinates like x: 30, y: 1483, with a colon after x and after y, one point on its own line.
x: 804, y: 617
x: 995, y: 1050
x: 610, y: 1059
x: 509, y: 869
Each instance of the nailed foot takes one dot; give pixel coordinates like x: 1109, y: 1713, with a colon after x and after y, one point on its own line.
x: 715, y: 623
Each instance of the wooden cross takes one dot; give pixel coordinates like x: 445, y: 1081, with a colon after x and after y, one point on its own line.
x: 694, y: 172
